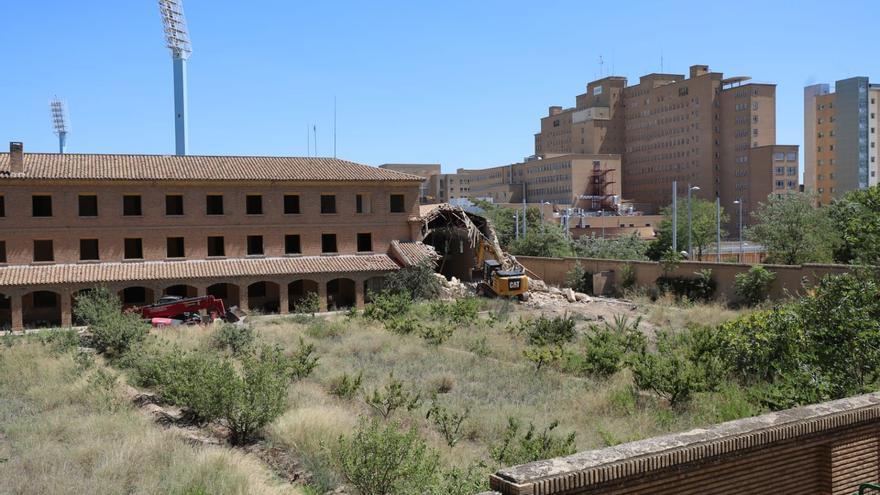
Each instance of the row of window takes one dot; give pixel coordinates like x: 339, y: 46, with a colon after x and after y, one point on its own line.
x: 44, y: 250
x: 41, y: 204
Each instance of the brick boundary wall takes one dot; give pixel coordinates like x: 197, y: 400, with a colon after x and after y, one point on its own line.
x: 827, y: 448
x: 789, y: 278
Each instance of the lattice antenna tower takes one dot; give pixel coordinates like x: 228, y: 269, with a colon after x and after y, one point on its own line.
x: 60, y: 122
x: 177, y: 40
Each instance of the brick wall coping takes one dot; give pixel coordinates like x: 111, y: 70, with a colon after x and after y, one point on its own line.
x: 695, y: 262
x: 591, y: 467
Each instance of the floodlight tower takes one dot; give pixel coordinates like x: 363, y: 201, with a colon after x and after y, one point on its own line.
x: 177, y: 39
x: 59, y: 122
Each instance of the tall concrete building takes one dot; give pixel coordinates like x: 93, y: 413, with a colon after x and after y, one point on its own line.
x: 840, y: 137
x: 716, y: 133
x: 437, y: 186
x: 423, y: 170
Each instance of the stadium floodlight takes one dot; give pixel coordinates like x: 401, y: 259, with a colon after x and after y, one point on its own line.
x: 177, y: 40
x: 59, y: 122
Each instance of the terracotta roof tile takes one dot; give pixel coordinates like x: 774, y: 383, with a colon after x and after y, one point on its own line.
x: 411, y: 253
x: 23, y: 275
x: 172, y: 167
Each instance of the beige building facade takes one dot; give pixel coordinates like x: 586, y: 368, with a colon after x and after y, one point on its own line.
x: 698, y: 130
x: 258, y: 232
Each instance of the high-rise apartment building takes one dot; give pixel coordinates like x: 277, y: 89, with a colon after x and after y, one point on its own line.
x: 840, y: 137
x: 716, y: 133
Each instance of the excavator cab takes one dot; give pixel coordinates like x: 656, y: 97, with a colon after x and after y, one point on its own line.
x: 497, y: 282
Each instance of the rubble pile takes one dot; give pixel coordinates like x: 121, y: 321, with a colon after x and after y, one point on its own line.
x: 542, y: 296
x: 454, y: 288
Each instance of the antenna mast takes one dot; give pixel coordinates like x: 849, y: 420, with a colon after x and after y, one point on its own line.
x: 177, y: 40
x: 59, y: 122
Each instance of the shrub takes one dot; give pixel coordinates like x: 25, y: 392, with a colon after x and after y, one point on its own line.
x: 460, y: 312
x: 384, y: 306
x: 308, y: 304
x: 544, y: 331
x: 382, y: 459
x: 302, y: 363
x: 607, y: 346
x: 114, y: 332
x: 236, y: 338
x: 255, y: 397
x: 464, y: 481
x: 672, y: 372
x: 417, y: 281
x: 479, y: 346
x: 579, y: 279
x: 542, y: 355
x: 517, y: 447
x: 699, y: 288
x: 447, y: 422
x: 754, y: 285
x: 404, y: 325
x: 627, y: 276
x: 347, y: 386
x: 393, y: 397
x: 437, y: 333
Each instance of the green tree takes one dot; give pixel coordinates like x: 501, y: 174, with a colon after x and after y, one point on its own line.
x: 626, y: 247
x: 703, y: 231
x: 504, y: 223
x: 793, y: 231
x: 546, y: 240
x: 856, y: 218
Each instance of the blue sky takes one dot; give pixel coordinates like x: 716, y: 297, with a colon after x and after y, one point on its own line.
x: 459, y: 83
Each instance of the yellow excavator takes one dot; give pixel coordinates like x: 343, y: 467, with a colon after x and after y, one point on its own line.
x: 494, y: 280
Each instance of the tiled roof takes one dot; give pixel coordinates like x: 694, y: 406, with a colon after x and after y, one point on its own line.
x: 411, y: 253
x: 172, y: 167
x: 23, y: 275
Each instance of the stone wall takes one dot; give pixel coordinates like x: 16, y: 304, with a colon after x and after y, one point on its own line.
x: 789, y: 278
x: 827, y: 448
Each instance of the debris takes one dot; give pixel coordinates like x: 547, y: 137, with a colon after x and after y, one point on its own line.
x: 581, y: 297
x: 568, y: 293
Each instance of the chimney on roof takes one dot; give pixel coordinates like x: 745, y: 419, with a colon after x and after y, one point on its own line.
x: 16, y: 157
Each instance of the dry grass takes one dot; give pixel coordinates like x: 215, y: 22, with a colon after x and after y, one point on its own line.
x: 62, y: 431
x: 667, y: 313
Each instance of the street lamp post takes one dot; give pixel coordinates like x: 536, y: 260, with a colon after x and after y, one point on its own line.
x: 516, y: 219
x: 740, y: 203
x: 674, y: 216
x: 718, y: 229
x: 690, y: 222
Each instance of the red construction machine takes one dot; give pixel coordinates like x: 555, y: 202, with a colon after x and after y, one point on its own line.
x: 176, y: 310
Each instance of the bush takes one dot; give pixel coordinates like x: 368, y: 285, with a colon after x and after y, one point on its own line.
x: 517, y: 447
x: 437, y: 333
x: 627, y: 276
x: 447, y: 422
x: 308, y: 304
x: 542, y: 355
x: 754, y: 285
x: 607, y: 347
x: 404, y: 325
x: 543, y: 331
x: 384, y: 306
x: 579, y: 279
x: 393, y: 397
x: 114, y: 332
x: 678, y: 369
x: 236, y: 338
x: 700, y: 288
x: 381, y: 459
x: 417, y: 281
x: 302, y: 363
x: 347, y: 386
x: 255, y: 397
x: 460, y: 312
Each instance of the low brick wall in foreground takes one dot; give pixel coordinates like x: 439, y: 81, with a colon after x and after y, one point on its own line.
x: 827, y: 448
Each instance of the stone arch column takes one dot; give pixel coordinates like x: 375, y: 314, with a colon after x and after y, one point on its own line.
x: 322, y: 293
x: 66, y: 307
x: 16, y: 311
x: 283, y: 296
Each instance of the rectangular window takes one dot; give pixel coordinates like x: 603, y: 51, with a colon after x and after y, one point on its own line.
x: 291, y: 204
x: 88, y: 205
x: 255, y: 245
x: 216, y: 246
x: 791, y: 156
x: 134, y: 249
x: 292, y: 244
x: 41, y: 205
x: 328, y: 203
x: 174, y: 204
x: 44, y: 251
x: 2, y: 251
x: 254, y: 204
x: 365, y: 242
x: 131, y: 205
x: 328, y: 243
x: 397, y: 203
x: 2, y: 206
x: 88, y: 250
x: 214, y: 204
x: 174, y: 247
x: 359, y: 203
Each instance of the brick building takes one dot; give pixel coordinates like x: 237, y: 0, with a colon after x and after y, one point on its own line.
x: 705, y: 129
x: 259, y: 232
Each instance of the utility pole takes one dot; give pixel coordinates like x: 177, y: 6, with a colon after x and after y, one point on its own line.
x: 718, y: 228
x: 674, y: 217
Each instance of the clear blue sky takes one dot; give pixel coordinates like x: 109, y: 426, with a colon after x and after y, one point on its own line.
x: 459, y: 83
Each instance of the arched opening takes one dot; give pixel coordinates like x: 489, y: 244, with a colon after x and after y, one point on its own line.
x: 298, y: 291
x: 373, y: 285
x: 136, y: 296
x: 263, y: 297
x: 340, y: 293
x: 5, y: 312
x: 180, y: 290
x: 41, y: 308
x: 228, y: 293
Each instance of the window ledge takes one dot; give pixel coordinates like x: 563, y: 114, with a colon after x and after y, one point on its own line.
x: 293, y: 255
x: 43, y: 262
x: 132, y: 260
x: 255, y: 255
x: 88, y: 262
x: 218, y: 257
